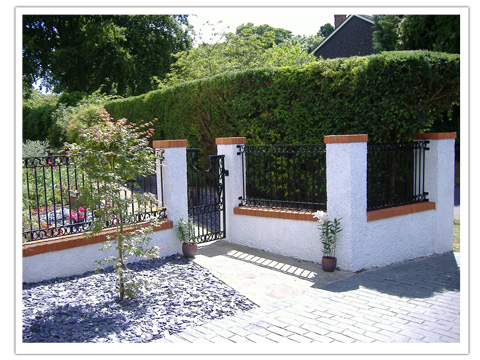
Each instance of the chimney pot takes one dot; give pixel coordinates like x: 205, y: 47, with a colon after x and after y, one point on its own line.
x: 339, y: 19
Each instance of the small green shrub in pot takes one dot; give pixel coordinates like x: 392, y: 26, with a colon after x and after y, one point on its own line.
x: 185, y: 231
x: 328, y: 234
x: 186, y: 234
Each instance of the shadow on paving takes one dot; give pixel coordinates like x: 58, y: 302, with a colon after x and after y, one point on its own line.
x: 419, y: 278
x: 303, y: 270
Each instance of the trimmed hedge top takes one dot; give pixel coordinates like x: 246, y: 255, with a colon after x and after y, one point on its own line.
x: 389, y: 96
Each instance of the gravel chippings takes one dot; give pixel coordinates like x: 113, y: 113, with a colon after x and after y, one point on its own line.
x: 86, y: 308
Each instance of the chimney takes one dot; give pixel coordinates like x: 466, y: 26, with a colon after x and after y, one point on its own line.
x: 339, y: 19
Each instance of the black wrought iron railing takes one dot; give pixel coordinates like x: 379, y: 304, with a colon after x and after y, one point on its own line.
x: 206, y: 196
x: 396, y: 174
x: 50, y: 207
x: 284, y: 176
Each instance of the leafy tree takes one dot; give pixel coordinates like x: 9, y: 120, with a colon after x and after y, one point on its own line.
x: 326, y: 30
x: 83, y: 52
x: 248, y: 48
x: 112, y: 154
x: 279, y: 35
x: 417, y: 32
x: 385, y: 34
x: 431, y: 32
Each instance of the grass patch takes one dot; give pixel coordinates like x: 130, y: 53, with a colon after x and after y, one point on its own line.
x: 456, y: 235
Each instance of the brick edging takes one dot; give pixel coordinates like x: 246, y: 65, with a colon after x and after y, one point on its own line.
x: 230, y: 140
x: 77, y: 240
x: 164, y: 144
x: 435, y: 136
x: 339, y: 139
x: 399, y: 210
x: 275, y: 213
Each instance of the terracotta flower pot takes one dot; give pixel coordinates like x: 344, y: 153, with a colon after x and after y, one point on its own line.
x: 329, y: 263
x: 189, y: 249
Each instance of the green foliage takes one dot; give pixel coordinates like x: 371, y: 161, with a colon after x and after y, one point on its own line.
x: 430, y: 32
x: 389, y: 96
x: 185, y: 231
x: 326, y: 30
x: 111, y: 154
x: 249, y: 48
x: 123, y: 53
x: 385, y: 34
x: 74, y: 113
x: 37, y: 110
x: 417, y: 32
x: 328, y: 232
x: 35, y: 148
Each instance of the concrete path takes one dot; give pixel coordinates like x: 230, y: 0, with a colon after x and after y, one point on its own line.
x: 301, y: 307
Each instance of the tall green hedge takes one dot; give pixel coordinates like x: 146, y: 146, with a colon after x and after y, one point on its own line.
x: 389, y: 96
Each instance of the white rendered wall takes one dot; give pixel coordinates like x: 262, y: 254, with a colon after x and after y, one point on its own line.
x: 293, y: 238
x: 363, y: 244
x: 78, y: 260
x: 440, y: 183
x: 174, y: 174
x: 347, y: 198
x: 81, y: 259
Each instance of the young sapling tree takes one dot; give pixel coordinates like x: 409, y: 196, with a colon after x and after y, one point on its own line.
x: 112, y: 154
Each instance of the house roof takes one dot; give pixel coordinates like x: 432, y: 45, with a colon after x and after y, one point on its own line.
x: 366, y: 18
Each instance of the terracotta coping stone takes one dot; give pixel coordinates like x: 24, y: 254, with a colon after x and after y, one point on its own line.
x: 275, y: 213
x: 75, y: 240
x: 399, y: 210
x: 435, y: 136
x: 230, y: 140
x: 164, y: 144
x: 339, y: 139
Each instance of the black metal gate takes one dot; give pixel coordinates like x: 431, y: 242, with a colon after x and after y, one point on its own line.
x: 206, y: 196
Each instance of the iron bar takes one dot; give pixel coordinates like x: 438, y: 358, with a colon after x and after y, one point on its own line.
x: 396, y: 174
x: 284, y: 176
x: 50, y: 183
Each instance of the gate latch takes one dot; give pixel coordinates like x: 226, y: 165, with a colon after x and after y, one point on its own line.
x: 226, y: 172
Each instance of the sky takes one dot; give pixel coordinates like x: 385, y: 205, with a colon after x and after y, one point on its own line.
x: 298, y: 21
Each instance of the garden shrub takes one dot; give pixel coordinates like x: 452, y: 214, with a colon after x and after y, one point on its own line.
x: 389, y: 96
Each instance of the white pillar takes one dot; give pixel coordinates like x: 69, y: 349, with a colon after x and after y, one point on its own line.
x: 347, y: 193
x: 174, y: 173
x: 440, y: 184
x: 234, y: 180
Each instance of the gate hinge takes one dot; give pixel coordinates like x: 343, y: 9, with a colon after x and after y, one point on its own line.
x: 226, y: 172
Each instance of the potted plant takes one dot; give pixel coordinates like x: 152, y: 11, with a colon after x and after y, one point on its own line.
x: 186, y: 234
x: 329, y: 230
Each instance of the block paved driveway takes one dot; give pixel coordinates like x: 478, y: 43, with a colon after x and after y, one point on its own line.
x: 412, y: 302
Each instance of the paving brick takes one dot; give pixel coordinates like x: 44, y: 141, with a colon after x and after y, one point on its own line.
x: 358, y: 337
x: 315, y: 329
x: 449, y: 339
x: 369, y: 328
x: 318, y: 337
x: 239, y: 339
x: 258, y: 339
x: 341, y: 337
x: 220, y: 339
x: 300, y: 339
x: 278, y: 338
x: 378, y: 337
x: 279, y: 331
x: 296, y: 330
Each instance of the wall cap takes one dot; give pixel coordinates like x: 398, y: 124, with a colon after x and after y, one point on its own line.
x: 76, y: 240
x: 399, y: 210
x: 230, y: 140
x: 340, y: 139
x: 435, y: 136
x: 164, y: 144
x: 303, y: 215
